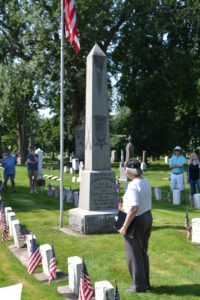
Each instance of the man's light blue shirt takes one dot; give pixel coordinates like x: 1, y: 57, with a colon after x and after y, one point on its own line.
x: 180, y: 160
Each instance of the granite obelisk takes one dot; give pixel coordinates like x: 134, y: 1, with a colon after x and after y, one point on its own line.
x: 98, y: 196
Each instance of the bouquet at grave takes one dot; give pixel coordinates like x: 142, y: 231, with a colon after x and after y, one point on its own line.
x: 35, y: 257
x: 187, y: 226
x: 52, y: 265
x: 86, y: 291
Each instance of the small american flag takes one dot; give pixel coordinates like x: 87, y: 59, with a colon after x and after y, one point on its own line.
x: 71, y: 24
x: 117, y: 296
x: 4, y: 230
x: 52, y: 265
x: 35, y: 257
x: 1, y: 212
x: 187, y: 226
x: 23, y: 232
x: 86, y: 291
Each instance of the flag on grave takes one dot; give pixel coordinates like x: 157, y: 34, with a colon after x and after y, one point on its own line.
x: 71, y: 24
x: 4, y: 230
x: 117, y: 296
x: 1, y: 212
x: 86, y: 291
x: 23, y: 232
x: 187, y: 225
x: 35, y: 257
x: 52, y: 265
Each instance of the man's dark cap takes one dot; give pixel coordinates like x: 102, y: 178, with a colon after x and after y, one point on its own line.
x: 133, y: 164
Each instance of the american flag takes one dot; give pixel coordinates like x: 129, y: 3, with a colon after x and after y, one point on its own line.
x: 35, y: 257
x: 4, y: 230
x: 71, y: 24
x: 52, y: 265
x: 1, y: 212
x: 23, y: 232
x: 86, y: 291
x: 117, y: 296
x: 187, y: 226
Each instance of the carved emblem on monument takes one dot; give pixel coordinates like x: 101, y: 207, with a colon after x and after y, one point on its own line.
x: 100, y: 130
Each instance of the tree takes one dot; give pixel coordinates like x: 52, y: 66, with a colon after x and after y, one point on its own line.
x: 157, y: 58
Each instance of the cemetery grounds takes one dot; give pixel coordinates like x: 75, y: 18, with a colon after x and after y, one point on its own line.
x: 174, y: 261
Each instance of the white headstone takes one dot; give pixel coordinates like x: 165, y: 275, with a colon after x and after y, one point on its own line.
x: 45, y: 252
x: 157, y: 191
x: 122, y: 173
x: 11, y: 217
x: 75, y: 164
x: 18, y: 239
x: 74, y: 179
x: 196, y: 230
x: 104, y: 290
x: 66, y: 169
x: 166, y: 160
x: 12, y: 292
x: 197, y: 201
x: 144, y: 166
x: 72, y: 171
x: 113, y: 156
x: 7, y: 210
x: 176, y: 197
x: 74, y: 273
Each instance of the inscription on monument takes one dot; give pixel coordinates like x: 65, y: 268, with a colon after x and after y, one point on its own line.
x: 101, y: 193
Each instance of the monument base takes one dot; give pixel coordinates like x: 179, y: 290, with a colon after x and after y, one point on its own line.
x: 98, y: 190
x: 92, y: 222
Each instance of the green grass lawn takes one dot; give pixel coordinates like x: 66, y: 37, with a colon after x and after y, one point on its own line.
x: 174, y: 261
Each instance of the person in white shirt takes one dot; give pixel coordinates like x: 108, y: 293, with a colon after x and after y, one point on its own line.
x: 137, y: 203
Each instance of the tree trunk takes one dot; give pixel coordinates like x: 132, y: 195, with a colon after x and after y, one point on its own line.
x: 21, y: 131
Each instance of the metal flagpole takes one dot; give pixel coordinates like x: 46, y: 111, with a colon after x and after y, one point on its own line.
x: 61, y: 112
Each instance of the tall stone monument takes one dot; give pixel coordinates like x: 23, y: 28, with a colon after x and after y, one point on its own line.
x: 98, y: 196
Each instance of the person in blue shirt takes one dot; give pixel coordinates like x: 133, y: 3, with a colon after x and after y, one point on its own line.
x: 9, y: 162
x: 176, y: 164
x: 32, y: 165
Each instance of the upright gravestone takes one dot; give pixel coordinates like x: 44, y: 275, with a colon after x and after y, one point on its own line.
x: 39, y: 152
x: 98, y: 197
x: 129, y: 149
x: 144, y: 159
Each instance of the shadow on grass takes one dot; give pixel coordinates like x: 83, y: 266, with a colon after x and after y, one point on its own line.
x: 178, y: 290
x: 23, y: 201
x: 168, y: 227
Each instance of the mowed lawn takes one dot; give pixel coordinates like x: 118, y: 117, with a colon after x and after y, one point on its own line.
x: 174, y: 261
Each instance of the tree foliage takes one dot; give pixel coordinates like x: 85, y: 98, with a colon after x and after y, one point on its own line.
x: 153, y: 54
